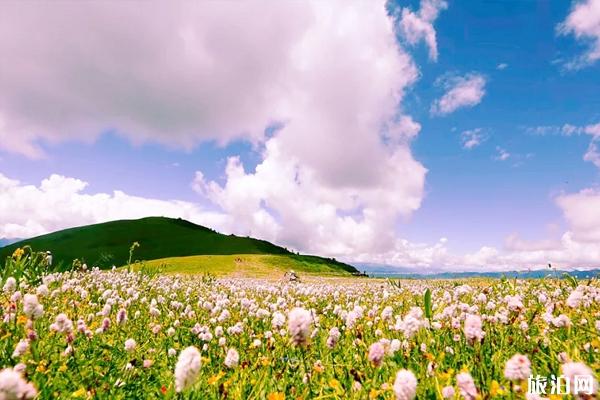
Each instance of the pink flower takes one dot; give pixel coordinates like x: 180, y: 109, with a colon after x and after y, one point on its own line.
x: 517, y: 368
x: 376, y: 353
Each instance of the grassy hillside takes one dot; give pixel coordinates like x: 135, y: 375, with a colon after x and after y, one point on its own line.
x: 108, y: 243
x: 250, y: 265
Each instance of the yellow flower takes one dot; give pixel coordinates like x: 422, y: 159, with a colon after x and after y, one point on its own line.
x: 42, y: 366
x: 79, y: 393
x: 276, y: 396
x: 18, y: 253
x: 63, y: 368
x: 215, y: 378
x: 495, y: 389
x: 265, y: 361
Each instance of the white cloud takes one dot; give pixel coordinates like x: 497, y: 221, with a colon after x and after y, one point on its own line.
x: 60, y: 202
x: 417, y: 26
x: 584, y: 23
x: 582, y: 212
x: 564, y: 130
x: 592, y: 153
x: 185, y: 72
x: 501, y: 66
x: 502, y: 155
x: 335, y: 179
x: 472, y: 138
x: 461, y: 91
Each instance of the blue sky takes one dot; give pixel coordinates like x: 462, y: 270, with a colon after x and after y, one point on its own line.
x: 149, y: 132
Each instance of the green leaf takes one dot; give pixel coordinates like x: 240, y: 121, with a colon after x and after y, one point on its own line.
x: 427, y: 303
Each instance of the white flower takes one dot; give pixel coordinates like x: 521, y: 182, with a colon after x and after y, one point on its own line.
x: 466, y: 386
x: 232, y: 359
x: 517, y: 368
x: 14, y: 387
x: 278, y: 320
x: 572, y: 370
x: 10, y: 285
x: 130, y: 345
x: 376, y: 353
x: 405, y: 385
x: 187, y: 368
x: 31, y: 307
x: 472, y: 329
x: 62, y: 324
x: 334, y: 336
x: 20, y: 348
x: 299, y: 321
x: 448, y: 391
x: 42, y: 290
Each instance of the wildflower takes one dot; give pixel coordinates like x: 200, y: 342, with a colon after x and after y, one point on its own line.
x: 448, y: 391
x: 334, y: 336
x: 13, y: 386
x: 467, y: 388
x: 171, y: 352
x: 31, y: 307
x: 376, y: 353
x: 121, y: 316
x: 42, y: 290
x: 517, y: 368
x: 147, y: 363
x: 20, y: 348
x: 472, y: 328
x: 62, y: 324
x: 10, y: 285
x: 405, y: 385
x: 299, y: 321
x: 187, y: 368
x: 130, y: 345
x: 18, y: 253
x: 387, y: 312
x: 573, y: 370
x: 278, y: 320
x: 232, y: 359
x: 561, y: 321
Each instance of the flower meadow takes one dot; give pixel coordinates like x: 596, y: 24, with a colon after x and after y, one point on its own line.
x: 124, y: 335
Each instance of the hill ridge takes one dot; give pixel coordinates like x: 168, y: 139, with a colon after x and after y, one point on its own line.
x: 107, y: 243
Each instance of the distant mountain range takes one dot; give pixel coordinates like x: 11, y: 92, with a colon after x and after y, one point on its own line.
x: 6, y: 242
x: 388, y: 271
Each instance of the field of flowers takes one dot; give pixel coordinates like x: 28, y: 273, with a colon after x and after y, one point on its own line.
x: 125, y: 335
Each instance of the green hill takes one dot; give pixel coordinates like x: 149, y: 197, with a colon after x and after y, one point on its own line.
x: 108, y: 243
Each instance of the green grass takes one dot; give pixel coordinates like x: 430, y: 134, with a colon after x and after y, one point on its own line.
x: 107, y: 244
x: 247, y: 265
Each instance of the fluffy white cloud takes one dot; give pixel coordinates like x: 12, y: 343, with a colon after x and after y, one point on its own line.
x: 582, y: 212
x: 61, y: 202
x: 182, y: 72
x: 417, y: 26
x: 461, y: 91
x: 471, y: 138
x: 584, y: 23
x: 335, y: 178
